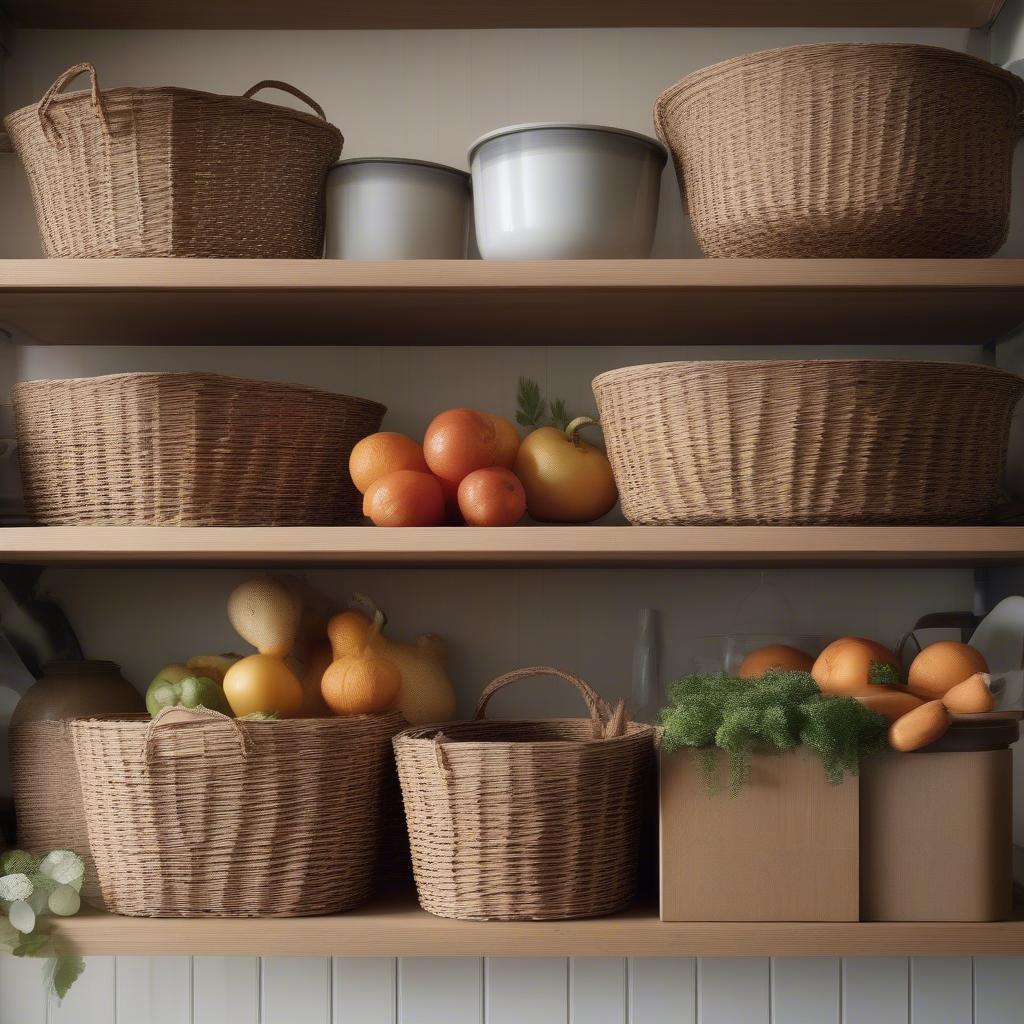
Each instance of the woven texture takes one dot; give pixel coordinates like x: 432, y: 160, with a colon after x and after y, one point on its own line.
x: 48, y: 797
x: 197, y: 815
x: 529, y: 820
x: 828, y: 441
x: 174, y: 172
x: 188, y: 449
x: 845, y: 150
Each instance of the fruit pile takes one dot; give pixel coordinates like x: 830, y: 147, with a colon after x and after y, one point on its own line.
x: 473, y: 468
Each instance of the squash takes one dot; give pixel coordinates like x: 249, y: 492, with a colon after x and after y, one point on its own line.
x: 971, y: 697
x: 918, y: 728
x: 266, y: 614
x: 852, y: 663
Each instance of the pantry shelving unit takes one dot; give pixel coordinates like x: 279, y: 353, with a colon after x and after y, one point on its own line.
x: 475, y: 302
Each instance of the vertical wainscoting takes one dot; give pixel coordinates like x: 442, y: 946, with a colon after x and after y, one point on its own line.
x: 467, y: 990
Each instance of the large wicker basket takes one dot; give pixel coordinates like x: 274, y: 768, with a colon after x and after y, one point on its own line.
x: 852, y: 149
x: 529, y: 820
x: 194, y: 814
x: 188, y: 449
x: 174, y: 172
x: 828, y: 441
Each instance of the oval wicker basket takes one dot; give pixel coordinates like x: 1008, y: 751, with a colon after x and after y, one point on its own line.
x: 194, y: 814
x: 845, y: 149
x: 174, y: 172
x: 188, y: 449
x: 528, y: 820
x: 830, y: 441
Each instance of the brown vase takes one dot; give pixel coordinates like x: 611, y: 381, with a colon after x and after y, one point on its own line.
x: 69, y: 689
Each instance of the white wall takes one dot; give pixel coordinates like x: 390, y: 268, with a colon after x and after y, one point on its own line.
x: 429, y: 95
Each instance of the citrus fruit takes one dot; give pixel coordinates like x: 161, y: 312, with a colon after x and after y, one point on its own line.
x: 507, y: 440
x: 942, y: 665
x: 459, y: 441
x: 404, y: 498
x: 492, y: 497
x: 379, y: 454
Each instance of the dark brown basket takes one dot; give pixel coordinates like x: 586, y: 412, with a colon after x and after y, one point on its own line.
x: 536, y: 820
x: 852, y: 149
x: 826, y: 441
x: 188, y: 449
x: 174, y: 172
x: 194, y: 814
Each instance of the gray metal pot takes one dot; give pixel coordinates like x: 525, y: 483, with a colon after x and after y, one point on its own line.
x: 393, y: 209
x: 565, y: 191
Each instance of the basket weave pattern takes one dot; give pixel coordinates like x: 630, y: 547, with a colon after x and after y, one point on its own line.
x: 174, y: 172
x: 188, y: 449
x: 213, y: 817
x: 845, y: 150
x: 529, y: 820
x: 807, y: 442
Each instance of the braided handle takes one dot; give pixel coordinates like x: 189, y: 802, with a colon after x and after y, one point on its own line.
x: 273, y: 83
x: 600, y: 713
x: 53, y: 136
x: 189, y: 717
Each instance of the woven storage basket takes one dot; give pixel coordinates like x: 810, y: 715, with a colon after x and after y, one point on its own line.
x: 535, y: 820
x: 802, y: 442
x: 194, y: 814
x: 853, y: 149
x: 174, y: 172
x: 188, y: 449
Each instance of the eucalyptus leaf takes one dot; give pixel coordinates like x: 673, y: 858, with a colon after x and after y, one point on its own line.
x: 61, y: 972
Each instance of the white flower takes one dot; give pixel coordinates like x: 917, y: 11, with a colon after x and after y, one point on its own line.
x: 62, y: 866
x: 64, y: 901
x: 22, y: 916
x: 15, y: 887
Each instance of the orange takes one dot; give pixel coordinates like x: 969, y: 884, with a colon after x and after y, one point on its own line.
x: 450, y: 490
x: 404, y: 498
x: 459, y: 441
x: 492, y: 497
x: 780, y: 656
x: 507, y: 440
x: 379, y: 454
x: 941, y: 666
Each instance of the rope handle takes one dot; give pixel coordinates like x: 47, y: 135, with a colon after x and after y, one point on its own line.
x: 273, y: 83
x: 189, y: 717
x: 600, y: 713
x: 53, y: 136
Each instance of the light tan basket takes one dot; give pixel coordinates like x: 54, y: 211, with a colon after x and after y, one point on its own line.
x: 852, y: 149
x: 527, y: 820
x: 195, y: 814
x: 188, y: 449
x: 827, y: 441
x: 174, y: 172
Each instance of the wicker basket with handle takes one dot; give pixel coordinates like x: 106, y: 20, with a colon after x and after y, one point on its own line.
x: 845, y: 149
x: 820, y: 441
x: 526, y: 820
x: 188, y: 449
x: 174, y: 172
x: 195, y: 814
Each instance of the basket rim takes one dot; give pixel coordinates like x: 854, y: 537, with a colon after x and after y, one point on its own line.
x: 143, y: 719
x: 426, y: 733
x: 100, y: 380
x: 177, y: 90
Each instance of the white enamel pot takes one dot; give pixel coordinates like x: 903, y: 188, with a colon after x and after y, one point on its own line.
x: 565, y: 191
x: 392, y: 209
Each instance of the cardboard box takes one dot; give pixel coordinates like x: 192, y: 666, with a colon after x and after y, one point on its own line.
x: 785, y: 849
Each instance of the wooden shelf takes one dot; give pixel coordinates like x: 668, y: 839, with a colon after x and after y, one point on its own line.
x: 474, y: 302
x: 402, y: 929
x: 517, y: 546
x: 496, y: 13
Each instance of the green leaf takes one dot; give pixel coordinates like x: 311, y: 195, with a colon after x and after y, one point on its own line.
x: 559, y: 414
x: 62, y: 972
x: 9, y: 935
x: 881, y: 673
x: 531, y: 406
x: 31, y: 944
x: 18, y: 862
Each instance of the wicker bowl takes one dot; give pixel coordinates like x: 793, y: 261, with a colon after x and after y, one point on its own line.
x: 830, y: 441
x: 188, y: 449
x: 852, y: 149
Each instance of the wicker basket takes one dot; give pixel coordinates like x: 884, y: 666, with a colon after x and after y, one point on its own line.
x: 174, y: 172
x: 531, y: 820
x: 833, y: 150
x: 828, y: 441
x: 188, y: 449
x: 194, y: 814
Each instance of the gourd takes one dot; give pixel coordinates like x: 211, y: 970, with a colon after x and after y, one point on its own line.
x: 359, y: 681
x: 426, y: 693
x: 918, y: 728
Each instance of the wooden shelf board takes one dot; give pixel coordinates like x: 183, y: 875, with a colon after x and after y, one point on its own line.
x: 402, y: 929
x: 497, y: 13
x: 516, y: 546
x: 475, y: 302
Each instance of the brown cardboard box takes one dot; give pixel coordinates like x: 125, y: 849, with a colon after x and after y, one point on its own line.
x: 936, y: 836
x: 784, y: 849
